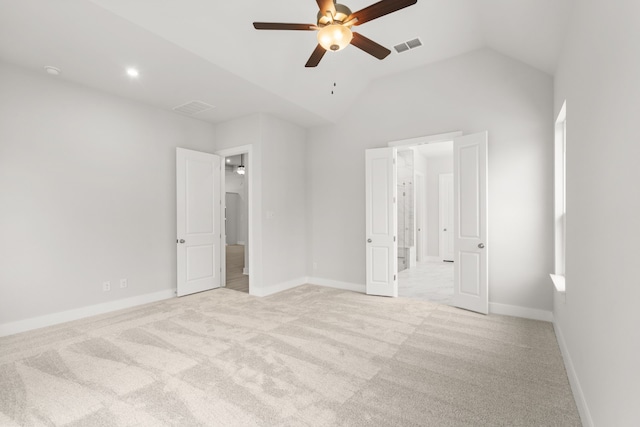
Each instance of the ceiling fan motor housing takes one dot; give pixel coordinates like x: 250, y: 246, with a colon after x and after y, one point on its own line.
x: 342, y: 13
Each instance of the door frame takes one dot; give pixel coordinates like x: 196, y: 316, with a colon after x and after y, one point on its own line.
x: 252, y: 233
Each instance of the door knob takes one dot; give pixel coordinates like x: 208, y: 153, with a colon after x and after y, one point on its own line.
x: 481, y: 245
x: 181, y: 241
x: 369, y: 240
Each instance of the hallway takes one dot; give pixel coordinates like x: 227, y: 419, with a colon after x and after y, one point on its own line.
x: 235, y: 278
x: 428, y: 281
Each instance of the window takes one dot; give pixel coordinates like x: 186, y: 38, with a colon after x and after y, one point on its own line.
x: 560, y: 197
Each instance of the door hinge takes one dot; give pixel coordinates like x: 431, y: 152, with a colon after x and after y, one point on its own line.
x: 394, y: 200
x: 394, y: 238
x: 394, y: 277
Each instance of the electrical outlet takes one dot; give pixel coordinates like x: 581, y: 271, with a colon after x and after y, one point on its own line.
x: 124, y: 283
x: 106, y: 286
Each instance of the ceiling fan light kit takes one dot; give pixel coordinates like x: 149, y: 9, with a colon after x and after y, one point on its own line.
x: 334, y: 24
x: 334, y: 37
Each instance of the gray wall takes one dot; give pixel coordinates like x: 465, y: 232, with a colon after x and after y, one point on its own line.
x: 598, y: 77
x: 88, y: 194
x: 479, y: 91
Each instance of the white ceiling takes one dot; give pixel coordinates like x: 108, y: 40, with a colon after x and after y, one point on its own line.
x: 208, y: 50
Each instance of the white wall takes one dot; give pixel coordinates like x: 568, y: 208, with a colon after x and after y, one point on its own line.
x: 479, y: 91
x: 87, y: 194
x: 598, y: 77
x: 435, y: 167
x: 284, y: 201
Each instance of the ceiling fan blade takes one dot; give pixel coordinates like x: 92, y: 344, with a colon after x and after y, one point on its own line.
x: 379, y: 9
x: 369, y: 46
x: 315, y: 57
x: 325, y: 5
x: 281, y: 26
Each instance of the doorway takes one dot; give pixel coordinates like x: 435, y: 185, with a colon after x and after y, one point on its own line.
x: 237, y: 219
x: 428, y: 272
x: 470, y: 218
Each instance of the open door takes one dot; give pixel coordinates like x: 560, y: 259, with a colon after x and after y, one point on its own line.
x: 470, y: 223
x: 198, y: 226
x: 445, y: 202
x: 381, y: 222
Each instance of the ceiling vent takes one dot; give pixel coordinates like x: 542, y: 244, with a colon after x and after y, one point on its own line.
x: 411, y: 44
x: 192, y: 108
x: 402, y: 47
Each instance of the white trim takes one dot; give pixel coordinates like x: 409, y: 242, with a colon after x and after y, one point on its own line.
x: 518, y: 311
x: 80, y: 313
x: 279, y: 287
x: 428, y: 139
x: 581, y: 402
x: 355, y: 287
x: 433, y: 258
x: 558, y: 282
x: 240, y: 242
x: 245, y: 271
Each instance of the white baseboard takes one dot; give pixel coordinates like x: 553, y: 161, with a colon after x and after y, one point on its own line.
x: 240, y: 242
x: 581, y: 403
x: 273, y: 289
x: 356, y: 287
x: 517, y: 311
x: 432, y: 259
x: 245, y: 271
x: 80, y: 313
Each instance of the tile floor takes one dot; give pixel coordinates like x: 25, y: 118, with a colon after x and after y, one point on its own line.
x: 428, y: 280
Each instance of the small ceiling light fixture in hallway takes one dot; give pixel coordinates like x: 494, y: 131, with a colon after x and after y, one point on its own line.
x: 240, y: 169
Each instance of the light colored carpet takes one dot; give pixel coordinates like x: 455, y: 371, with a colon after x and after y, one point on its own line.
x: 308, y: 356
x: 235, y: 279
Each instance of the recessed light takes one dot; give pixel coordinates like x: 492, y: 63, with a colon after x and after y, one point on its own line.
x: 228, y: 160
x: 54, y: 71
x: 132, y: 72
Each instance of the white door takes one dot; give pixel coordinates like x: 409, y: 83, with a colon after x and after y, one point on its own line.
x: 381, y: 222
x: 419, y: 199
x: 198, y: 209
x: 445, y: 203
x: 470, y: 223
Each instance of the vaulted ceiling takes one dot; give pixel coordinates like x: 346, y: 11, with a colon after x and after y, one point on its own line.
x: 208, y: 50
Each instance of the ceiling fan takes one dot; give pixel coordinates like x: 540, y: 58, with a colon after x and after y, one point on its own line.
x: 334, y: 27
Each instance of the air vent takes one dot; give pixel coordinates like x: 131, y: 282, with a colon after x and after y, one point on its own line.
x: 402, y: 47
x: 193, y: 107
x: 414, y: 43
x: 411, y: 44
